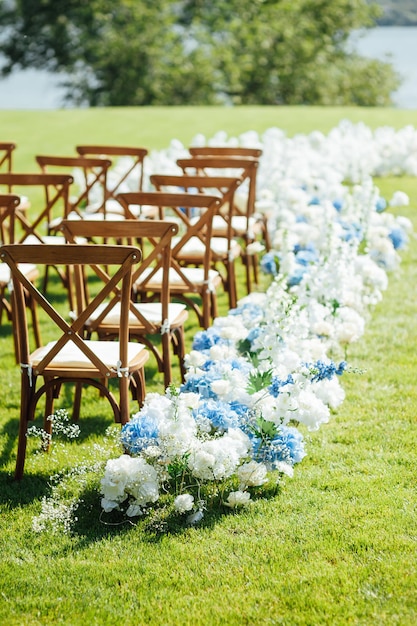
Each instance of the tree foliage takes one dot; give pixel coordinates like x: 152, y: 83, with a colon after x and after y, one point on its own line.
x: 142, y: 52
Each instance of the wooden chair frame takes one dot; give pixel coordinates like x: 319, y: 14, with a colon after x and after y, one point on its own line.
x: 94, y: 171
x: 155, y: 238
x: 8, y: 205
x: 116, y: 186
x: 229, y: 160
x: 225, y: 249
x: 90, y: 364
x: 6, y: 155
x: 181, y: 281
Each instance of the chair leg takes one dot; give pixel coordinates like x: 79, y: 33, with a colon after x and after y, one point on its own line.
x: 27, y: 393
x: 166, y: 357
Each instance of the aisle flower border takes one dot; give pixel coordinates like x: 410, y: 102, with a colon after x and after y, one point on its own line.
x: 269, y: 371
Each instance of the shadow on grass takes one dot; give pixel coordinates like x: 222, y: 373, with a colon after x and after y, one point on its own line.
x: 93, y: 525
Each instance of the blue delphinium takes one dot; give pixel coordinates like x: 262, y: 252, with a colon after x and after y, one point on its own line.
x: 325, y: 371
x: 276, y: 385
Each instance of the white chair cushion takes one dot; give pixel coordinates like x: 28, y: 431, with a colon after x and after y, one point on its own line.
x: 194, y: 274
x: 71, y: 356
x: 152, y: 311
x: 28, y: 269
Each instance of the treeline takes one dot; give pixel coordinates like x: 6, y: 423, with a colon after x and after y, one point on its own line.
x: 195, y: 52
x: 398, y: 13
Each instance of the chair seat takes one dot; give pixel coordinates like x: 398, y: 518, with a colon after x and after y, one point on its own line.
x: 71, y: 357
x: 152, y: 311
x: 194, y: 274
x: 28, y: 269
x: 241, y: 225
x: 114, y: 209
x: 195, y: 248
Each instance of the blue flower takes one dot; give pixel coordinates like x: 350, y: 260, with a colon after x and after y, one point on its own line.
x: 381, y: 205
x: 398, y: 238
x: 275, y: 387
x: 287, y: 446
x: 270, y: 263
x: 338, y: 204
x: 326, y: 371
x: 139, y: 433
x: 221, y: 414
x: 205, y: 339
x: 296, y: 278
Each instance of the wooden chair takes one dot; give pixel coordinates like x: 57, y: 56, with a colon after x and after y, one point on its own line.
x: 69, y: 357
x: 225, y: 248
x: 49, y: 199
x: 146, y: 319
x: 8, y: 206
x: 88, y: 194
x: 247, y: 225
x: 6, y: 156
x: 185, y: 281
x: 126, y: 173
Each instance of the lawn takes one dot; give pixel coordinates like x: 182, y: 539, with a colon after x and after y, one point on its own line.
x: 336, y: 546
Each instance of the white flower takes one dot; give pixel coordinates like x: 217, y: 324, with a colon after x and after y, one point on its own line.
x: 399, y: 198
x: 284, y: 468
x: 252, y: 474
x: 237, y: 498
x: 184, y: 502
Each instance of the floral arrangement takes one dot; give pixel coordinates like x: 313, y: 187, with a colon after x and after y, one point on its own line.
x: 269, y: 372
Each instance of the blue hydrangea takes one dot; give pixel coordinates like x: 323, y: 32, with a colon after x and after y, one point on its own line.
x: 338, y: 204
x: 270, y: 263
x: 398, y: 238
x: 305, y: 257
x: 286, y: 446
x: 205, y: 339
x: 381, y: 205
x: 296, y: 277
x: 221, y: 414
x: 139, y: 433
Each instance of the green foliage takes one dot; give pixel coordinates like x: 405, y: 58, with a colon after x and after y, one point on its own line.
x: 130, y: 52
x: 258, y: 381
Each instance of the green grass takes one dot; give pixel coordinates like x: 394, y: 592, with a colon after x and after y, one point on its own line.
x: 337, y: 546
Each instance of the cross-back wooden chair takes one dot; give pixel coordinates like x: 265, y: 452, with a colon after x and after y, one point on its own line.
x: 247, y: 225
x: 225, y: 248
x: 70, y: 357
x: 6, y: 156
x: 88, y: 193
x: 126, y: 173
x: 146, y: 319
x: 8, y: 206
x: 185, y: 281
x: 49, y: 199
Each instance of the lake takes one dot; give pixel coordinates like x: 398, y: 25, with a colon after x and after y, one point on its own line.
x: 31, y: 89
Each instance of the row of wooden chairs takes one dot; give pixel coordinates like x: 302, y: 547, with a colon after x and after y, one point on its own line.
x: 186, y: 263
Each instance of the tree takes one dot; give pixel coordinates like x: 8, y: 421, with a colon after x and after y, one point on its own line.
x: 142, y: 52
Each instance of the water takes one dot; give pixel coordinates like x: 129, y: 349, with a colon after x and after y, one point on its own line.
x: 31, y: 89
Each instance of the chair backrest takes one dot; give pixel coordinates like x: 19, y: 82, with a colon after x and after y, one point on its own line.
x: 89, y: 176
x: 126, y: 173
x: 181, y: 206
x: 8, y: 204
x: 245, y: 167
x: 121, y: 259
x: 154, y: 238
x: 236, y: 151
x: 222, y: 186
x: 6, y: 155
x: 50, y: 199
